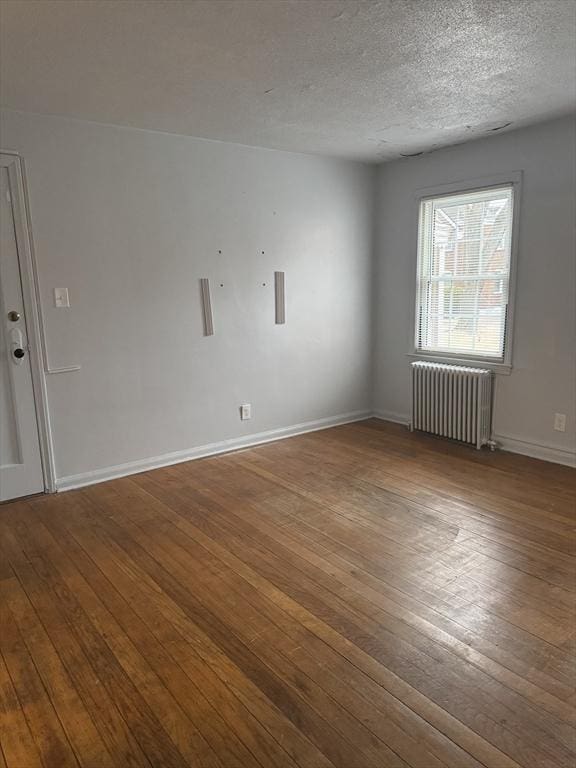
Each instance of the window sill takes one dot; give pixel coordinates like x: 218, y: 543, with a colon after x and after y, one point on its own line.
x: 504, y: 369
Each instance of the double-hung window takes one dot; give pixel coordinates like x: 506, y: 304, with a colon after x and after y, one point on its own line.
x: 463, y: 283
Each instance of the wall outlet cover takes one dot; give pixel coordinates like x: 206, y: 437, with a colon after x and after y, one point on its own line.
x: 560, y: 422
x: 245, y: 411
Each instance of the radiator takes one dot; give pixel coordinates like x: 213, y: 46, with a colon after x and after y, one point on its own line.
x: 452, y: 401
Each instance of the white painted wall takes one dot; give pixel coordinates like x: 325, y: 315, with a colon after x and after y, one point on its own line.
x: 129, y: 221
x: 543, y: 379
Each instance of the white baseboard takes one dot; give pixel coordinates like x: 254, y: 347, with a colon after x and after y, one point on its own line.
x: 537, y: 450
x: 505, y: 443
x: 212, y: 449
x: 397, y: 418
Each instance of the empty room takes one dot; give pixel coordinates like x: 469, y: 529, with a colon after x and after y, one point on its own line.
x: 288, y: 383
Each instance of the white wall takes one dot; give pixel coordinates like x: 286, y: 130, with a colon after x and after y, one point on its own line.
x: 543, y: 379
x: 129, y: 221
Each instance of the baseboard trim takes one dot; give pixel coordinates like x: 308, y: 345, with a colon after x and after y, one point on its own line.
x: 536, y: 450
x: 505, y: 443
x: 513, y: 445
x: 396, y: 418
x: 211, y: 449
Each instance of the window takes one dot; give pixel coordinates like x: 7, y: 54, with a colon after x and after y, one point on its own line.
x: 464, y: 251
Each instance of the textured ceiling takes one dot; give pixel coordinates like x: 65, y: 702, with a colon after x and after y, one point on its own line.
x: 362, y: 79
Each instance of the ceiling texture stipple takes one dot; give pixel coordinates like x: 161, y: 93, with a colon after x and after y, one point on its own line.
x: 365, y: 79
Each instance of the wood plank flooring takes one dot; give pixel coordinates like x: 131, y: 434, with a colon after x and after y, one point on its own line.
x: 354, y: 598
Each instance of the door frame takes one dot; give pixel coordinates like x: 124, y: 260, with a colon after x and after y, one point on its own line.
x: 14, y: 164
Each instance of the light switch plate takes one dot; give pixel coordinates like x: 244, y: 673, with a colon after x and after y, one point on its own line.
x: 61, y: 297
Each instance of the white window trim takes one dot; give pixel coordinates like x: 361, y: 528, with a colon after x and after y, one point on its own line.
x: 513, y: 178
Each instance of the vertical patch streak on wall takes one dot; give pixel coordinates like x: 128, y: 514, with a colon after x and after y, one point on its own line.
x: 280, y: 296
x: 206, y: 306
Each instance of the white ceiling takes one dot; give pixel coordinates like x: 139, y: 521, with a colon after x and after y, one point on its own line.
x: 362, y: 79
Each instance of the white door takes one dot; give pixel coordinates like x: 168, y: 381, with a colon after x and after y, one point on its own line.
x: 20, y: 462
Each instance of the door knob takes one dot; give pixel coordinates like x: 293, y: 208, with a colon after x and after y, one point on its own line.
x: 14, y: 316
x: 19, y: 353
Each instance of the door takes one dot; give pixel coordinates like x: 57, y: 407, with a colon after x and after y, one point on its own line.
x: 20, y: 458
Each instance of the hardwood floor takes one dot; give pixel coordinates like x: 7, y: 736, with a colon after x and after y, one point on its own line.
x: 359, y: 597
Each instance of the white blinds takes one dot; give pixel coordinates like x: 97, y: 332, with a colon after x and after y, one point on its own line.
x: 463, y: 272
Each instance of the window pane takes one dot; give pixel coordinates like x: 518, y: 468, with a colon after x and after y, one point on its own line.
x: 463, y: 270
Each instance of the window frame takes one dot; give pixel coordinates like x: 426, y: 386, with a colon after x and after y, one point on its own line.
x: 479, y: 184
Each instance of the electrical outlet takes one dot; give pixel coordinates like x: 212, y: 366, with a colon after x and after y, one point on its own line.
x: 560, y: 422
x: 245, y: 411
